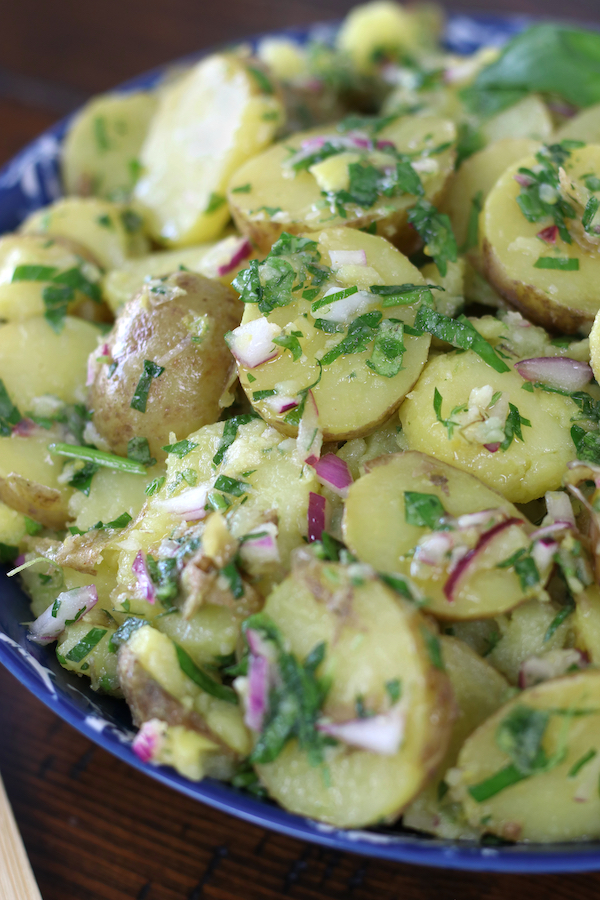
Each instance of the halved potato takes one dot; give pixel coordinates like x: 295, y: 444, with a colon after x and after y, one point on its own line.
x: 267, y: 198
x: 102, y: 146
x: 352, y: 398
x: 22, y: 298
x: 552, y: 797
x: 528, y: 468
x: 479, y: 690
x: 564, y: 300
x: 110, y: 232
x: 377, y: 531
x: 373, y: 639
x: 473, y: 182
x: 529, y: 118
x: 29, y: 479
x: 221, y: 113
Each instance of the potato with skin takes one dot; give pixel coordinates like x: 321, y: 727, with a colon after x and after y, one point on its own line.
x: 267, y: 197
x: 558, y: 801
x: 218, y: 115
x: 528, y: 468
x: 351, y: 397
x: 100, y: 152
x: 178, y: 325
x: 560, y: 300
x: 29, y: 479
x: 377, y: 531
x: 373, y: 638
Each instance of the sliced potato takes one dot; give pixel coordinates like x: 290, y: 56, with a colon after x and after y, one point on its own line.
x: 529, y: 118
x: 585, y: 126
x: 267, y: 198
x: 555, y: 802
x: 528, y: 468
x: 221, y: 113
x: 473, y: 182
x: 100, y: 152
x: 99, y: 665
x: 377, y: 531
x: 35, y: 360
x: 479, y: 690
x: 177, y: 325
x: 373, y: 638
x: 352, y: 398
x: 22, y: 297
x: 586, y: 622
x: 110, y: 232
x: 120, y: 285
x: 29, y: 479
x: 563, y: 300
x: 111, y: 494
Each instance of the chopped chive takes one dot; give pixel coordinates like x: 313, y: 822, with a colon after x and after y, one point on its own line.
x: 99, y: 457
x: 562, y: 263
x: 501, y: 780
x: 204, y: 681
x: 586, y: 758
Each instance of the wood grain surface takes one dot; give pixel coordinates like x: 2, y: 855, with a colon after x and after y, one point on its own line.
x: 94, y: 828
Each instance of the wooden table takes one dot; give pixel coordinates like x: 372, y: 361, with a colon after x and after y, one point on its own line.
x: 94, y: 828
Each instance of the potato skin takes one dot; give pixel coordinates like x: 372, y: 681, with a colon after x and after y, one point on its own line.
x: 155, y: 326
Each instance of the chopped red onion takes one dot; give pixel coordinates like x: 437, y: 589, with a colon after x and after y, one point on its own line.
x: 310, y: 436
x: 523, y: 180
x: 239, y: 251
x: 548, y: 530
x: 556, y: 371
x: 434, y: 549
x: 280, y: 404
x: 145, y: 583
x: 379, y: 734
x: 346, y: 309
x: 257, y: 698
x: 548, y: 234
x: 474, y: 520
x: 190, y: 504
x: 461, y: 569
x: 25, y: 428
x: 543, y: 554
x: 68, y: 606
x: 559, y: 507
x: 252, y: 343
x: 333, y: 472
x: 259, y: 646
x: 386, y: 145
x: 149, y: 740
x: 551, y: 665
x: 316, y: 517
x: 347, y: 258
x: 493, y: 448
x: 262, y: 548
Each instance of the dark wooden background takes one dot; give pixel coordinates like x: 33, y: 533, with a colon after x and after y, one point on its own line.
x: 95, y: 829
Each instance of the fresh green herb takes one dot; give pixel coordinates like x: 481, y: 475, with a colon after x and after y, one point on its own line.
x: 181, y: 448
x: 82, y: 479
x: 388, y: 349
x: 423, y: 510
x: 154, y: 486
x: 333, y: 298
x: 204, y: 681
x: 135, y: 170
x: 138, y: 449
x: 329, y: 327
x: 57, y: 295
x: 528, y: 386
x: 540, y: 197
x: 163, y: 573
x: 32, y: 527
x: 230, y: 430
x: 246, y: 779
x: 434, y: 649
x: 34, y: 273
x: 140, y: 397
x: 472, y: 236
x: 217, y: 502
x: 242, y: 189
x: 592, y: 182
x: 132, y: 223
x: 105, y: 221
x: 559, y: 618
x: 262, y: 395
x: 294, y: 416
x: 100, y: 134
x: 231, y: 486
x: 394, y: 689
x: 360, y: 334
x: 589, y: 214
x: 460, y: 333
x: 398, y: 584
x: 525, y: 568
x: 512, y: 427
x: 86, y: 645
x: 497, y: 782
x: 404, y: 294
x: 124, y: 632
x: 435, y: 229
x: 99, y: 457
x: 264, y: 83
x: 581, y: 762
x: 562, y: 263
x: 449, y: 424
x: 370, y: 229
x: 587, y: 444
x: 215, y: 202
x: 470, y: 140
x: 290, y: 342
x: 232, y: 574
x: 9, y: 414
x: 8, y: 553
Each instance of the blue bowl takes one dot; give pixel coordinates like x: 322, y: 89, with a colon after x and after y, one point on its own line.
x: 32, y: 180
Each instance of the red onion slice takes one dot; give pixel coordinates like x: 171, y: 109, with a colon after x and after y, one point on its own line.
x: 281, y: 404
x: 240, y: 250
x: 549, y: 530
x: 257, y: 698
x: 523, y: 180
x: 145, y: 583
x: 316, y: 517
x: 461, y: 569
x: 341, y: 258
x: 556, y: 371
x: 548, y: 234
x: 25, y: 428
x: 262, y: 548
x: 190, y: 504
x: 379, y: 734
x: 68, y: 607
x: 252, y: 343
x: 559, y: 507
x: 333, y: 472
x: 493, y: 448
x: 149, y: 740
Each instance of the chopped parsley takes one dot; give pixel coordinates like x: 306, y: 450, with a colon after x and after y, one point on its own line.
x: 232, y: 486
x: 525, y: 568
x: 540, y: 196
x: 423, y: 510
x: 512, y: 427
x: 449, y: 424
x: 9, y: 413
x: 232, y: 575
x: 290, y: 342
x: 458, y: 332
x: 77, y: 653
x: 215, y: 202
x: 472, y: 236
x: 360, y: 334
x: 562, y: 263
x: 60, y: 291
x: 230, y: 430
x: 242, y: 189
x: 388, y: 349
x: 124, y: 632
x: 140, y: 398
x: 204, y: 681
x: 181, y: 448
x: 404, y: 294
x: 435, y: 229
x: 155, y: 485
x: 138, y: 449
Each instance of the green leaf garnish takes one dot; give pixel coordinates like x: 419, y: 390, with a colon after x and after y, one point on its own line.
x: 204, y: 681
x: 140, y: 398
x: 423, y: 510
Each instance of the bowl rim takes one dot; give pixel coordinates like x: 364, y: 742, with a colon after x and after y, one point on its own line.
x: 38, y: 161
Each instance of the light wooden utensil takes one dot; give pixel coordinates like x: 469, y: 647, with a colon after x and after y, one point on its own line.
x: 17, y: 881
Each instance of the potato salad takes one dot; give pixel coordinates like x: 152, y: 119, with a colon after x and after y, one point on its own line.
x: 300, y: 423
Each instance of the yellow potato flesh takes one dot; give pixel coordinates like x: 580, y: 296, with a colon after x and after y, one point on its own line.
x: 527, y: 469
x: 376, y: 530
x: 295, y: 203
x: 561, y: 300
x: 544, y: 806
x: 529, y: 118
x: 206, y: 126
x: 351, y: 398
x: 377, y: 638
